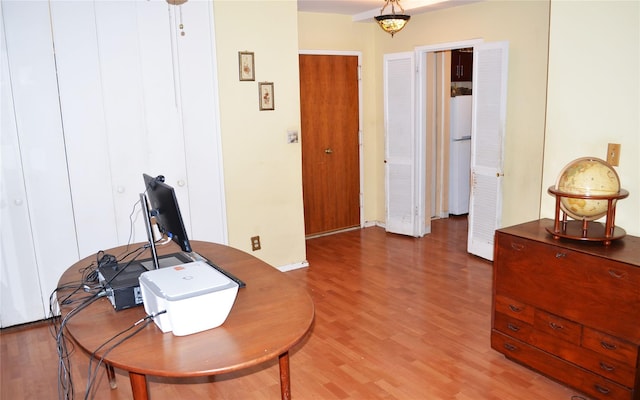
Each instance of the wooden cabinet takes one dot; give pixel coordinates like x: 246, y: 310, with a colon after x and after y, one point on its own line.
x: 569, y: 309
x: 461, y: 65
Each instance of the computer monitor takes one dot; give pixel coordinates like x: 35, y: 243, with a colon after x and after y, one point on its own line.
x: 163, y: 205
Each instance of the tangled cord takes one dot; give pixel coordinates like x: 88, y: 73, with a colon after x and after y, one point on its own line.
x: 79, y: 295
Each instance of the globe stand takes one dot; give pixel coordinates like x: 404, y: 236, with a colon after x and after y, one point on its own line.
x: 585, y: 229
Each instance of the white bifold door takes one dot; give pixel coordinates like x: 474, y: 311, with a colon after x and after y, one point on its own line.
x: 402, y: 148
x: 490, y: 68
x: 405, y: 149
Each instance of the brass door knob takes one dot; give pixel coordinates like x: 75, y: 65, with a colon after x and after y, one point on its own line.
x: 328, y: 151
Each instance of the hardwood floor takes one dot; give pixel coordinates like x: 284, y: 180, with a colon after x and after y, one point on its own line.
x: 396, y: 318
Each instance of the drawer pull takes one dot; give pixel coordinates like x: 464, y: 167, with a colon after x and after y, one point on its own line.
x: 560, y: 255
x: 602, y: 389
x: 616, y: 274
x: 555, y: 326
x: 510, y: 347
x: 607, y: 367
x: 513, y: 327
x: 608, y: 346
x: 515, y: 308
x: 517, y: 246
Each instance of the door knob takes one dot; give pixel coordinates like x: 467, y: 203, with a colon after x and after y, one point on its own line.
x: 328, y: 151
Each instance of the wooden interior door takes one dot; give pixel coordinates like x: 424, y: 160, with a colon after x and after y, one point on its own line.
x: 330, y: 145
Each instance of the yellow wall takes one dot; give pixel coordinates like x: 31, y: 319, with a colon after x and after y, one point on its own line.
x: 345, y: 35
x: 591, y: 43
x: 594, y: 94
x: 524, y: 24
x: 262, y: 172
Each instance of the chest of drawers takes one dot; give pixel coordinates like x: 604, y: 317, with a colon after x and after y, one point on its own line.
x: 569, y: 309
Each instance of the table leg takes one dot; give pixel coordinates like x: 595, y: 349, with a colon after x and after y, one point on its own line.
x: 138, y: 386
x: 111, y: 374
x: 285, y: 380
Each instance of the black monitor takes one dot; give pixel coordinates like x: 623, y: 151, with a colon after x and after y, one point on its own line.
x: 163, y: 205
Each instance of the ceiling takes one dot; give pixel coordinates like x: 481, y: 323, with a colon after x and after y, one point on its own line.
x: 347, y: 7
x: 362, y: 10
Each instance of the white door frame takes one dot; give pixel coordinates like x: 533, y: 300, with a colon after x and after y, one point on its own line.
x: 426, y: 159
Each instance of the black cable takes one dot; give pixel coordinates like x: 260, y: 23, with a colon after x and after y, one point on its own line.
x: 140, y: 251
x: 88, y: 284
x: 90, y: 275
x: 65, y: 348
x: 124, y: 255
x: 65, y: 381
x: 92, y: 373
x: 132, y: 221
x: 90, y: 293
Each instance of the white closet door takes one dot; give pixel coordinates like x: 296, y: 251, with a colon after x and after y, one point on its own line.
x: 200, y: 119
x: 85, y: 128
x: 164, y: 140
x: 38, y: 236
x: 490, y: 67
x: 125, y: 93
x: 123, y: 67
x: 399, y: 103
x: 18, y: 271
x: 120, y: 106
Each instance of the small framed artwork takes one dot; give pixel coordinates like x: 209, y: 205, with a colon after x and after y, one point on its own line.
x: 246, y: 66
x: 265, y: 90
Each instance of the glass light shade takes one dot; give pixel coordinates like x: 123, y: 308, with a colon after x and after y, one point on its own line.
x: 392, y: 23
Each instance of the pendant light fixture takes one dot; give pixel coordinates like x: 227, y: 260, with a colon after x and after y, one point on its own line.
x: 392, y: 23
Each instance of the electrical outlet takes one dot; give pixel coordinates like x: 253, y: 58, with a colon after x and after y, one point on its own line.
x: 613, y: 154
x: 255, y: 243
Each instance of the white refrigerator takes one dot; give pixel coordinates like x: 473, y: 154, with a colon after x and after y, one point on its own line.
x: 460, y: 154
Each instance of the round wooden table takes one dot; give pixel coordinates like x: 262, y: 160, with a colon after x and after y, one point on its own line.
x: 270, y: 316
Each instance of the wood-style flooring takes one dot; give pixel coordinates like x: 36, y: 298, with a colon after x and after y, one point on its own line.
x: 396, y: 318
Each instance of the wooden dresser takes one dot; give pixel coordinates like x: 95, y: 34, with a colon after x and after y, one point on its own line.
x: 569, y: 309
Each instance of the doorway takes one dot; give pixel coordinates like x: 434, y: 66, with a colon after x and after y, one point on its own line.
x: 490, y: 68
x: 438, y: 92
x: 330, y: 128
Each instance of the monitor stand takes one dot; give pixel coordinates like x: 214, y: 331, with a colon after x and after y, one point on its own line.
x: 147, y: 224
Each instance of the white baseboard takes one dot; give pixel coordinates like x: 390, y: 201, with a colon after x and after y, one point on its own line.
x: 368, y: 224
x: 291, y: 267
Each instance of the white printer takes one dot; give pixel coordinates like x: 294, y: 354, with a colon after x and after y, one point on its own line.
x: 195, y: 296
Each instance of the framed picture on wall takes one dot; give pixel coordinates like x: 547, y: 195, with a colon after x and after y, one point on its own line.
x: 265, y: 91
x: 246, y: 66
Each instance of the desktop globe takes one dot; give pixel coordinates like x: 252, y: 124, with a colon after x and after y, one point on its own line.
x: 587, y: 189
x: 588, y: 176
